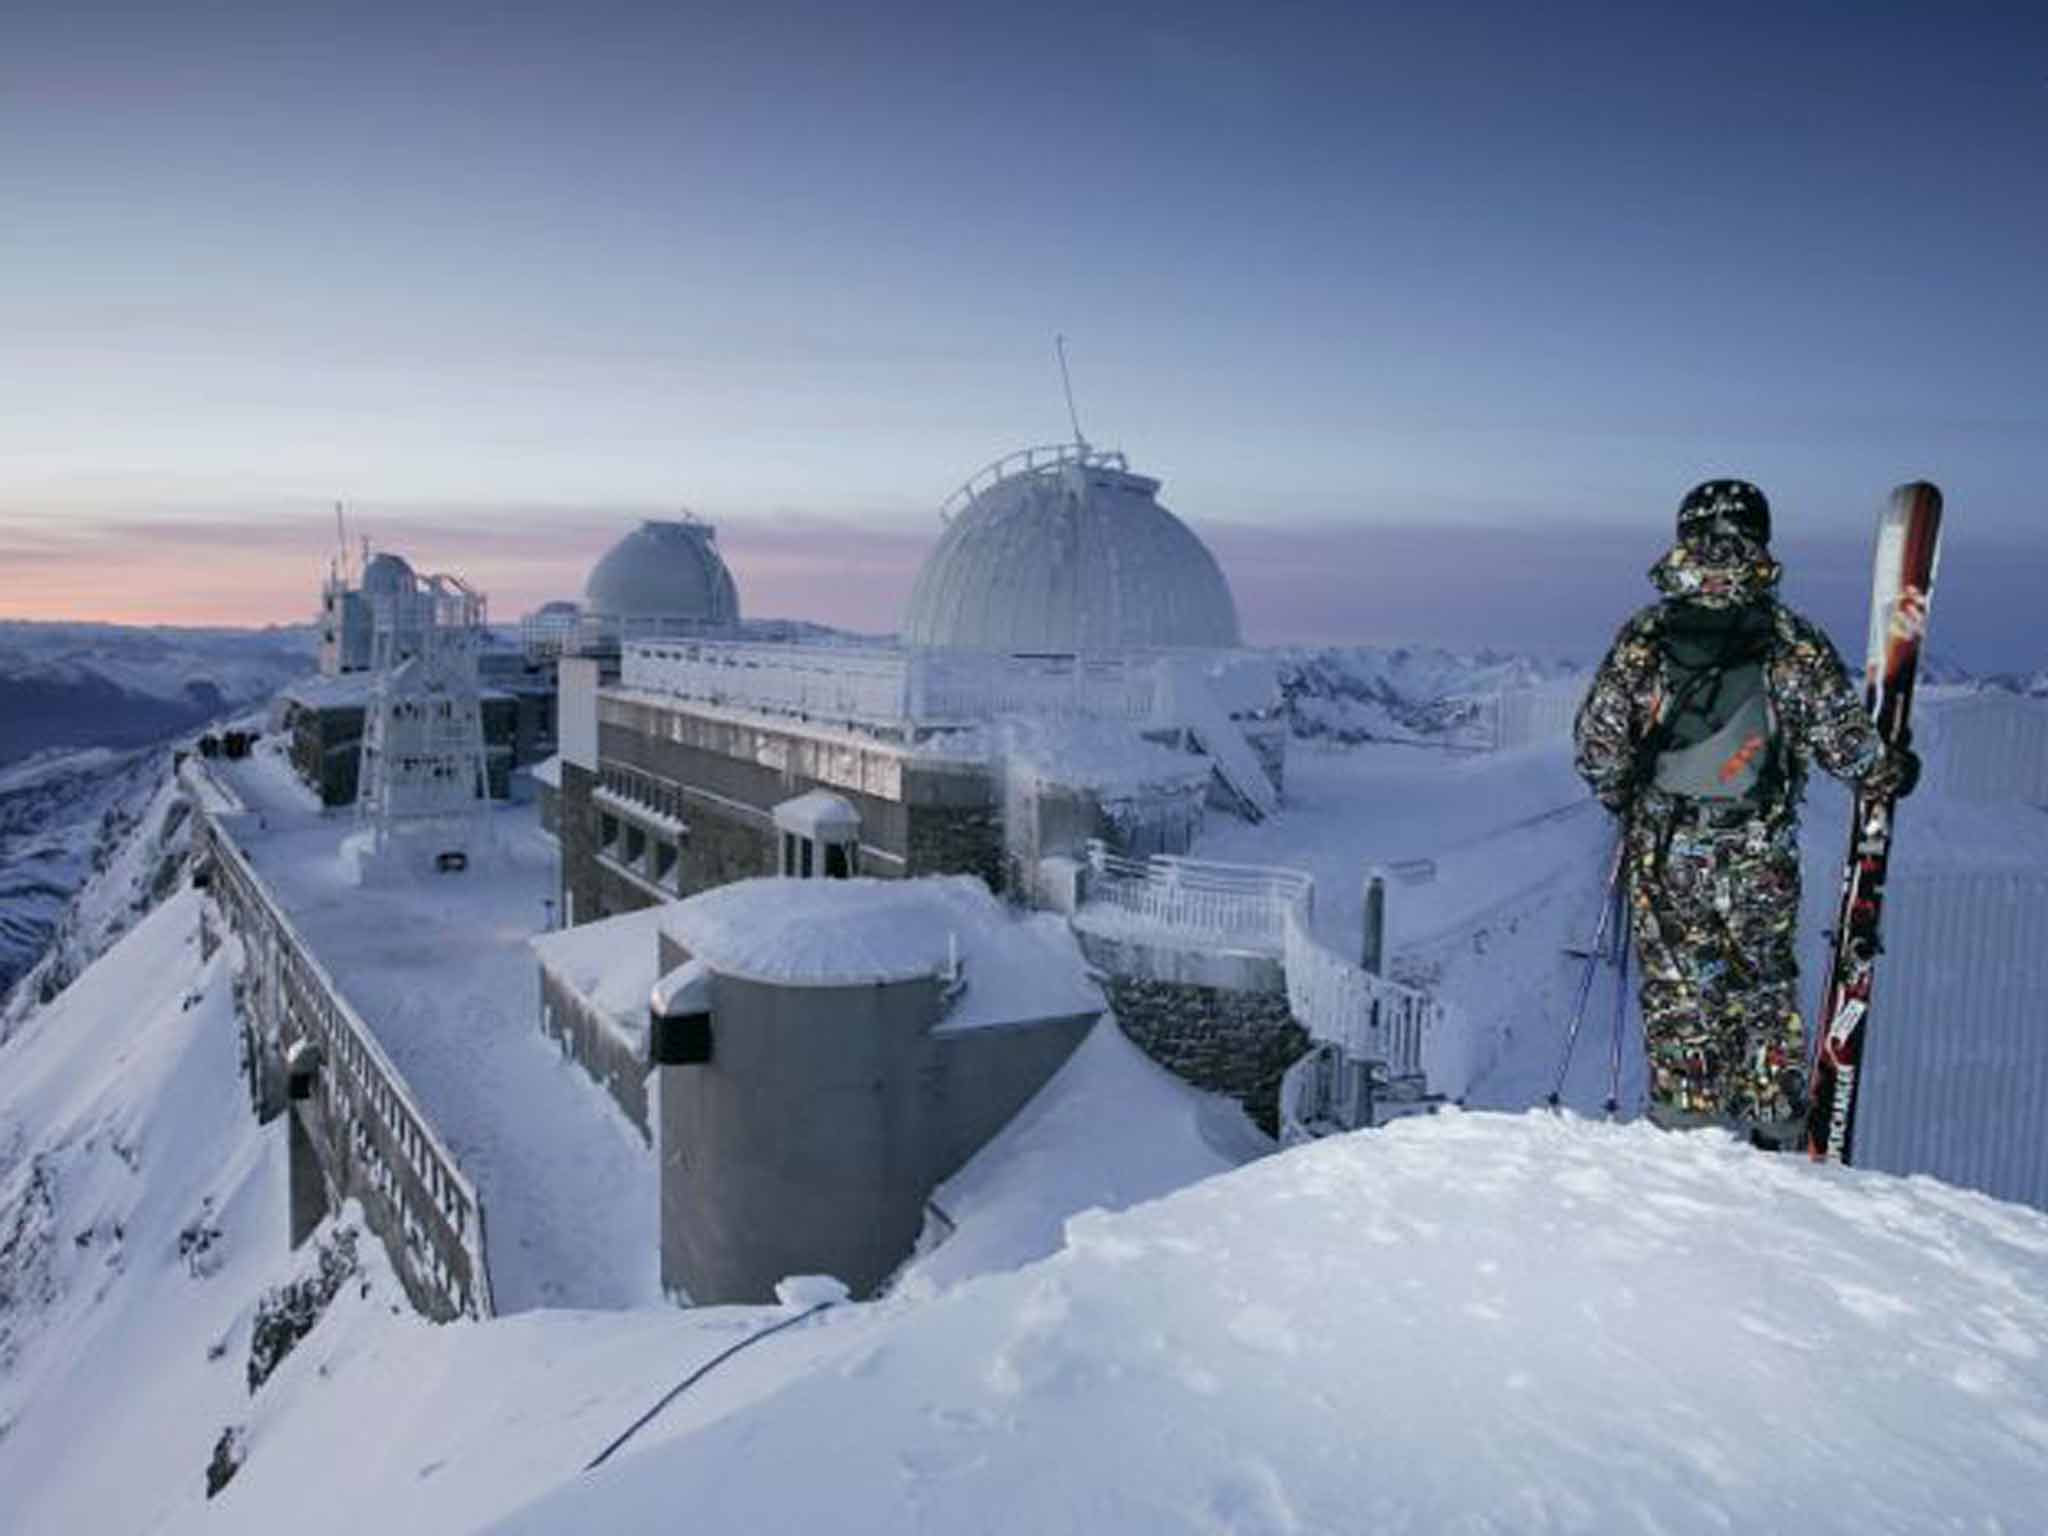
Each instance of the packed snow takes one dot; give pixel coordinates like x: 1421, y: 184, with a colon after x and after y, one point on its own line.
x: 444, y: 975
x: 847, y: 932
x: 612, y: 964
x: 1476, y: 1322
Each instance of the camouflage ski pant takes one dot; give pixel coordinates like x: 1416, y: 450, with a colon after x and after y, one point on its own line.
x: 1714, y: 902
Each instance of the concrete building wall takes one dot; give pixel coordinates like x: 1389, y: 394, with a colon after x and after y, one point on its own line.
x: 326, y: 747
x: 592, y: 1043
x: 812, y: 1139
x: 725, y: 777
x: 576, y: 833
x: 724, y: 845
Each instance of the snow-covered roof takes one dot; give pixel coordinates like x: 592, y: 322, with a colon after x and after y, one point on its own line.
x: 1111, y: 757
x: 818, y: 933
x: 548, y: 771
x: 611, y: 964
x: 819, y: 814
x: 664, y: 570
x: 350, y: 690
x: 1076, y: 557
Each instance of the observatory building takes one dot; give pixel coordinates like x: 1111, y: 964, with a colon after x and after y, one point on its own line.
x: 1069, y: 670
x: 378, y: 620
x: 664, y: 580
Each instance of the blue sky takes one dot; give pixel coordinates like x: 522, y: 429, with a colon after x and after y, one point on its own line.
x: 1513, y: 276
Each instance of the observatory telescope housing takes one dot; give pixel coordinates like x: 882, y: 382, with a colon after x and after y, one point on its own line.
x: 1063, y: 549
x: 665, y: 579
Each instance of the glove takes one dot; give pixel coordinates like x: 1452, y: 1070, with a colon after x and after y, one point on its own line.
x: 1896, y: 773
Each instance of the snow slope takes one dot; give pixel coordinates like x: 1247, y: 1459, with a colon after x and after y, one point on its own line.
x: 496, y: 1415
x: 1476, y: 1322
x: 141, y: 1210
x: 83, y: 855
x: 60, y: 814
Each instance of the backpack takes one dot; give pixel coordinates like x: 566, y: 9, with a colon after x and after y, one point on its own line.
x: 1715, y: 736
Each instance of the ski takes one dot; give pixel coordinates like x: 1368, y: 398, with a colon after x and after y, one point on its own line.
x: 1908, y: 550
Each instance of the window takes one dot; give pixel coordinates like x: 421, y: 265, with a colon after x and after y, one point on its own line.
x: 607, y: 831
x: 666, y: 870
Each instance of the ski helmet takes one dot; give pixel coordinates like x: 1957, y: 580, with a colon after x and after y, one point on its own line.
x: 1725, y: 506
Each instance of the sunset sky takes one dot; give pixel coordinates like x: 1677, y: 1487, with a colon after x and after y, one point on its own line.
x: 1425, y: 315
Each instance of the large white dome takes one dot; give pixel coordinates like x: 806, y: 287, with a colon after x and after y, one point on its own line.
x: 664, y: 570
x: 1072, y: 555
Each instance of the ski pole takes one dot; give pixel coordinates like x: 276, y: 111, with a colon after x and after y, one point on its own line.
x: 1621, y: 937
x: 1571, y: 1039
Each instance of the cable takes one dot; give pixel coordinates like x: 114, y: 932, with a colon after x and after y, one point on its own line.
x: 696, y: 1376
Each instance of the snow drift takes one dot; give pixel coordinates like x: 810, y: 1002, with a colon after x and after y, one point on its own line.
x: 1476, y: 1323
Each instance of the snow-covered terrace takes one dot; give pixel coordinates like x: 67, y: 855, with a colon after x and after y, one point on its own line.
x: 442, y: 974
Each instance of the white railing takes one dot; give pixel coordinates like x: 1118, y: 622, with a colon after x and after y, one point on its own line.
x: 1243, y: 905
x: 893, y: 691
x: 1364, y: 1017
x: 1310, y: 1094
x: 1370, y: 1017
x: 1028, y: 461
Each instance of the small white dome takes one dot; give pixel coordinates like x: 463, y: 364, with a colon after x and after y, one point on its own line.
x: 664, y: 570
x: 387, y: 574
x: 1070, y: 556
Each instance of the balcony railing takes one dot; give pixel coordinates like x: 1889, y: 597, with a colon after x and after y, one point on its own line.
x: 1029, y: 461
x: 894, y: 692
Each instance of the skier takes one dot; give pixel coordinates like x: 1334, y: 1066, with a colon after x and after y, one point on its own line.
x: 1698, y: 731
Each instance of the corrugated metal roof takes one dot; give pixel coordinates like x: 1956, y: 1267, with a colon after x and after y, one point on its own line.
x: 1956, y: 1064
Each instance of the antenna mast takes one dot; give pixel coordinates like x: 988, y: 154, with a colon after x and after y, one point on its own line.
x: 341, y: 543
x: 1059, y: 343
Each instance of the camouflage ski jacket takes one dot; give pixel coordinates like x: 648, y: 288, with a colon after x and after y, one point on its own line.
x: 1819, y: 715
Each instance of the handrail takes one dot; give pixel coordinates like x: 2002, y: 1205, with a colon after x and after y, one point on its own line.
x: 1245, y: 904
x: 998, y: 470
x: 1366, y: 1017
x: 430, y: 1161
x: 1370, y: 1017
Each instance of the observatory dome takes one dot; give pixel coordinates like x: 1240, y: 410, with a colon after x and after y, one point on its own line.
x: 1076, y: 554
x: 388, y: 573
x: 666, y: 571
